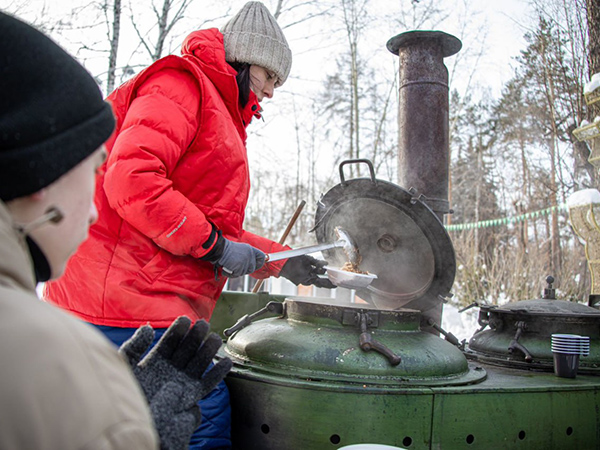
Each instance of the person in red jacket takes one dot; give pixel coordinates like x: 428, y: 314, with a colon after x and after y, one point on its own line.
x: 172, y: 193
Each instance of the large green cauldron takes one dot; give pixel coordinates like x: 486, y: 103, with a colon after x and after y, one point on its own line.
x: 319, y: 394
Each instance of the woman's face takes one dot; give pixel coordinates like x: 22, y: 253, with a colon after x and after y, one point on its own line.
x: 262, y: 82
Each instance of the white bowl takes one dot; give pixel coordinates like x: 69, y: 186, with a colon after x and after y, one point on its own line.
x: 350, y: 280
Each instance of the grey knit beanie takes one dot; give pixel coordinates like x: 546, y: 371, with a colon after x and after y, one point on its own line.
x: 253, y: 36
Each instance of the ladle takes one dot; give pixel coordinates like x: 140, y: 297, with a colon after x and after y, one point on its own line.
x: 344, y: 241
x: 338, y: 277
x: 304, y: 250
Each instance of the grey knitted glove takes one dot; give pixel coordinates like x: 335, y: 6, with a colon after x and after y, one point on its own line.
x: 239, y: 259
x: 172, y: 375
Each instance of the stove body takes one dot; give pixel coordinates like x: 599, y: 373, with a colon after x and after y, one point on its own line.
x: 301, y: 380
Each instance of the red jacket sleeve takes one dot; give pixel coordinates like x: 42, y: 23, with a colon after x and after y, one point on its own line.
x: 160, y: 124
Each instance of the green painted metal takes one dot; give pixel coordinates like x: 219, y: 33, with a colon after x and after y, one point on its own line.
x: 289, y: 406
x: 286, y: 417
x: 493, y: 344
x: 332, y: 353
x: 233, y: 305
x: 515, y: 409
x: 509, y: 410
x: 534, y: 322
x: 319, y: 341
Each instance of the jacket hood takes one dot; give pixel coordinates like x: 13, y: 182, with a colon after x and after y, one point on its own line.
x: 207, y: 48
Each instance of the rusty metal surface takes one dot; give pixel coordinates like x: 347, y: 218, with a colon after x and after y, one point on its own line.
x: 423, y: 142
x: 562, y: 308
x: 423, y: 122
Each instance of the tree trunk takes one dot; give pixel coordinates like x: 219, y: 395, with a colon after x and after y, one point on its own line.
x: 162, y: 30
x: 593, y: 17
x: 277, y: 12
x: 356, y: 118
x: 555, y: 257
x: 114, y: 47
x: 524, y: 190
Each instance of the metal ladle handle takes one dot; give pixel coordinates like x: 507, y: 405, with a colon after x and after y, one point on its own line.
x: 300, y: 251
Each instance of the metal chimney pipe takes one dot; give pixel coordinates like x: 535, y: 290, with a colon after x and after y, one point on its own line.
x: 423, y: 142
x: 423, y: 128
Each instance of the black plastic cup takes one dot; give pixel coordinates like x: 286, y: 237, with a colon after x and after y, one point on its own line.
x: 565, y: 364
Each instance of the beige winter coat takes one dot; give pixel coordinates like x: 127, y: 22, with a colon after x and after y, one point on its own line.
x: 62, y: 384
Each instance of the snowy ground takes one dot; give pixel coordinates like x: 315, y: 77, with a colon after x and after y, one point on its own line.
x: 462, y: 325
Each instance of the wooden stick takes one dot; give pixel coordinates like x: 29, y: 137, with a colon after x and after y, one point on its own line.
x: 283, y: 237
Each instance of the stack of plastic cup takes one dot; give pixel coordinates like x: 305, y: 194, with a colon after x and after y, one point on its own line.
x: 567, y: 348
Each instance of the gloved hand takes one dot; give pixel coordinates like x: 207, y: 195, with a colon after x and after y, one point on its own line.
x: 172, y: 375
x: 305, y: 270
x: 240, y: 259
x: 236, y: 258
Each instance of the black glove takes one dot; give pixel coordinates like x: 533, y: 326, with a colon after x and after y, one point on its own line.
x: 172, y: 376
x: 236, y: 258
x: 305, y: 270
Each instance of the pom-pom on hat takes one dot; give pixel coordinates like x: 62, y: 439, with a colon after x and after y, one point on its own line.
x: 253, y: 36
x: 52, y: 115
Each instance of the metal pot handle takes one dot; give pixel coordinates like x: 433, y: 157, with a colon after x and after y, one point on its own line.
x: 271, y: 307
x: 357, y: 161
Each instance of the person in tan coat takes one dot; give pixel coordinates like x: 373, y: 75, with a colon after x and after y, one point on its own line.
x: 63, y: 385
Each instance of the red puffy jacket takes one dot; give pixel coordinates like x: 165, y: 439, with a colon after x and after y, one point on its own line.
x: 176, y: 163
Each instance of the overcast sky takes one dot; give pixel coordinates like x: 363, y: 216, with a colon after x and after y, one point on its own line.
x: 497, y: 27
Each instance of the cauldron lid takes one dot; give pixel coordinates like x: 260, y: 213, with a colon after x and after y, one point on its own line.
x: 544, y: 306
x: 400, y: 239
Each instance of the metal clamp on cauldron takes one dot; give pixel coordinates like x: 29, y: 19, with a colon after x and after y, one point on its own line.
x: 447, y: 335
x: 366, y: 340
x: 516, y: 345
x: 271, y: 307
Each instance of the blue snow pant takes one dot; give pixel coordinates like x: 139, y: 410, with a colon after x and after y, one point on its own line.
x: 215, y: 430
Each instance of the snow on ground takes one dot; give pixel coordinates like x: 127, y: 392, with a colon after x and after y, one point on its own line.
x: 462, y: 325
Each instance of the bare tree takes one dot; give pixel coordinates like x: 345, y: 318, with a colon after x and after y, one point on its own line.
x: 593, y: 22
x: 163, y: 23
x: 114, y: 43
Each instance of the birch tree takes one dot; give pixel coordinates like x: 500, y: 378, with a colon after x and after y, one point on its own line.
x: 113, y: 35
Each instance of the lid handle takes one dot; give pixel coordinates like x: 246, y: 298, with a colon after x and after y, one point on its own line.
x: 549, y: 292
x: 271, y: 307
x: 357, y: 161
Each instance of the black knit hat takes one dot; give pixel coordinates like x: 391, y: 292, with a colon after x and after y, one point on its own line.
x: 52, y: 115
